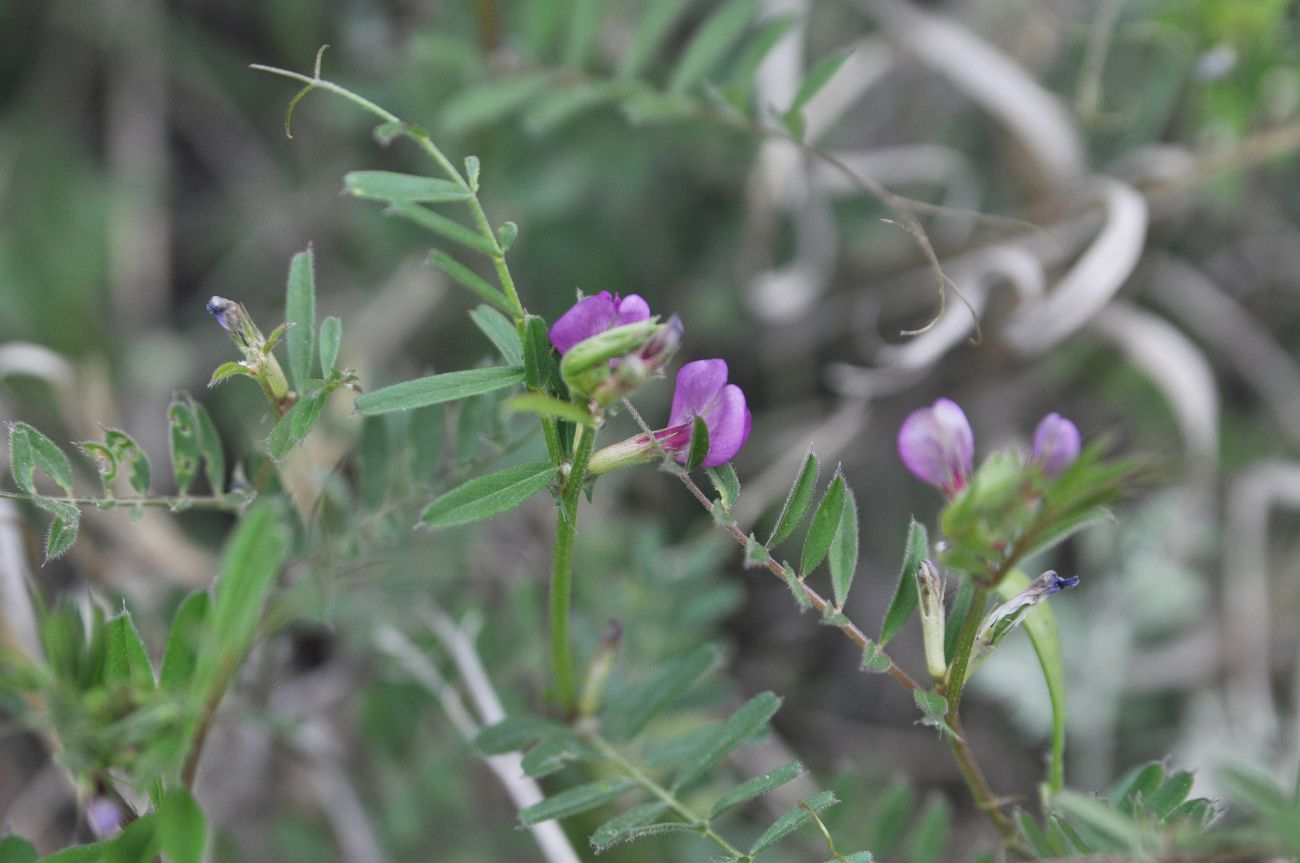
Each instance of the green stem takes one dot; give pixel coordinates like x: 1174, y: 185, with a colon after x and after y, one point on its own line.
x: 636, y: 773
x: 566, y: 526
x: 965, y: 642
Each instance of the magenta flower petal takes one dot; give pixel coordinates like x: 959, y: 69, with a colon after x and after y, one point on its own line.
x: 729, y: 422
x: 586, y: 318
x: 592, y: 315
x: 698, y: 384
x: 937, y: 445
x: 1056, y: 444
x: 630, y: 310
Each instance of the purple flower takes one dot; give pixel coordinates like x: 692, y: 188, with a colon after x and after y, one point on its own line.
x: 105, y: 817
x: 593, y: 315
x: 703, y: 391
x: 1056, y: 444
x: 937, y: 445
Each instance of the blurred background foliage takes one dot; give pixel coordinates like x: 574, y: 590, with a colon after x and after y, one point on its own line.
x: 1144, y: 150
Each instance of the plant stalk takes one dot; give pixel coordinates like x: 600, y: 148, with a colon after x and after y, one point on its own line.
x: 566, y: 526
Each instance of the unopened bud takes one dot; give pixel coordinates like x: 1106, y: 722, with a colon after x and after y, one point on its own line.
x: 929, y: 589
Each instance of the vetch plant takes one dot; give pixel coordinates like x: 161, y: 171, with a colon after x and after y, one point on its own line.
x: 131, y: 731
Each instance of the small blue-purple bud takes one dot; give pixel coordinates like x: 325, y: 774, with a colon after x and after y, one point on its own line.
x: 105, y: 817
x: 1056, y: 444
x: 938, y: 446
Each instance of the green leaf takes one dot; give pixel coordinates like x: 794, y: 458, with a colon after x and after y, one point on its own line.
x: 817, y: 78
x: 711, y: 42
x: 725, y: 483
x: 1112, y: 830
x: 127, y: 660
x: 491, y: 101
x: 649, y: 34
x: 501, y: 332
x: 184, y: 642
x: 583, y: 27
x: 645, y: 831
x: 372, y: 462
x: 1040, y: 626
x: 844, y: 549
x: 631, y: 711
x: 546, y: 406
x: 467, y: 278
x: 104, y: 461
x: 1252, y: 790
x: 229, y: 370
x: 575, y: 800
x: 214, y: 457
x: 1170, y: 795
x: 888, y: 818
x: 932, y: 704
x: 427, y: 430
x: 626, y: 827
x: 444, y: 227
x: 699, y: 448
x: 249, y: 566
x: 389, y: 186
x: 930, y: 837
x: 515, y: 733
x: 486, y: 496
x: 796, y: 500
x: 127, y: 453
x: 956, y: 615
x: 29, y: 450
x: 756, y: 787
x: 506, y: 235
x: 792, y: 821
x: 756, y: 50
x: 746, y: 722
x: 874, y: 660
x: 825, y: 523
x: 551, y: 755
x: 63, y: 527
x: 553, y: 110
x: 184, y: 444
x: 296, y: 424
x: 905, y: 597
x: 182, y: 829
x: 300, y: 314
x: 14, y: 849
x: 331, y: 335
x: 436, y: 389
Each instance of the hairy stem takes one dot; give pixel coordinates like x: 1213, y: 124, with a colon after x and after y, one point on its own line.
x: 566, y: 526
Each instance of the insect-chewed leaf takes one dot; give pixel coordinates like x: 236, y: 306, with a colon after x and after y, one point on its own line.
x: 104, y: 461
x: 905, y: 596
x: 127, y: 453
x: 844, y: 549
x: 515, y: 733
x: 725, y: 483
x: 737, y: 729
x: 182, y: 829
x: 756, y: 787
x: 796, y: 501
x: 184, y: 444
x: 184, y: 642
x: 29, y: 450
x: 390, y: 186
x: 711, y: 42
x: 825, y: 522
x: 300, y: 314
x: 792, y: 821
x: 501, y: 332
x: 437, y: 389
x: 214, y: 457
x: 575, y: 800
x: 63, y: 527
x: 486, y: 496
x: 629, y: 713
x: 625, y: 827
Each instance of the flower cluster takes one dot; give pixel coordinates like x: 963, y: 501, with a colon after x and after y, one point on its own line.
x: 938, y: 446
x: 610, y: 344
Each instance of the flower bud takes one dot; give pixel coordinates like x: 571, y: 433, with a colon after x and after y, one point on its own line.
x: 631, y: 371
x: 587, y: 364
x: 938, y: 446
x: 929, y: 589
x: 1056, y: 444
